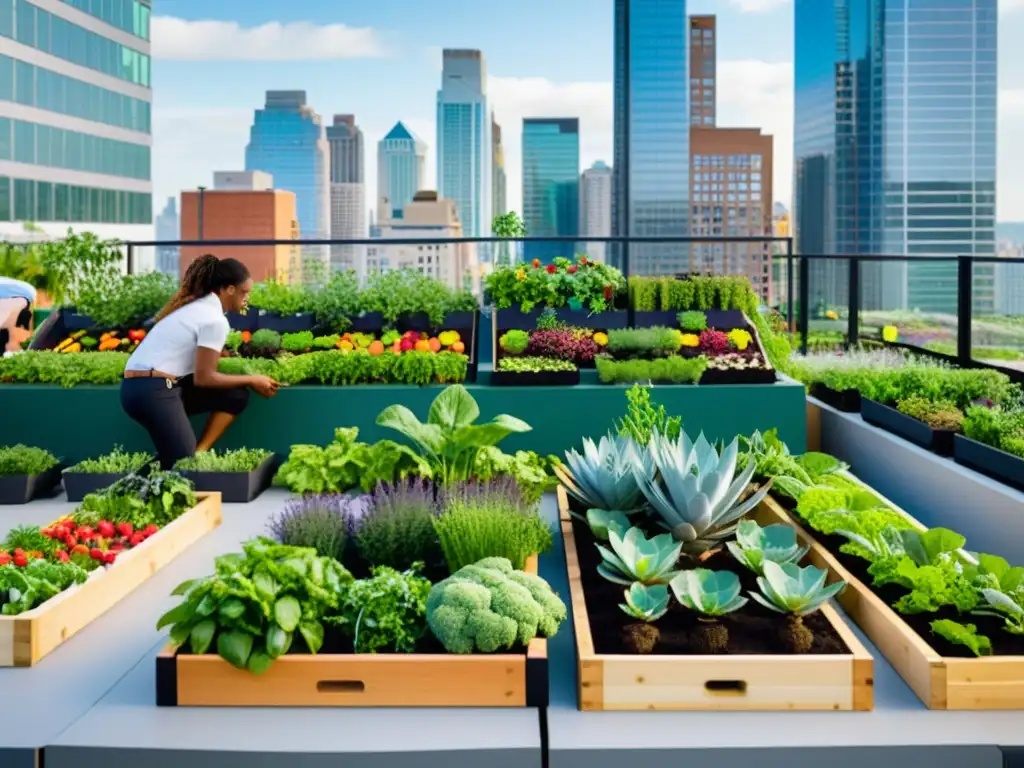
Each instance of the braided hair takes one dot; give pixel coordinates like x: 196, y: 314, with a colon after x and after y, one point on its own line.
x: 207, y: 274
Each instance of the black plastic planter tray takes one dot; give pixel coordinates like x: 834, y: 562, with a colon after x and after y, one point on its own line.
x: 847, y: 401
x: 535, y: 379
x: 667, y: 318
x: 236, y: 487
x: 78, y: 485
x: 240, y: 322
x: 713, y: 376
x: 514, y: 319
x: 21, y: 489
x: 369, y: 322
x: 991, y: 462
x: 303, y: 321
x: 939, y: 441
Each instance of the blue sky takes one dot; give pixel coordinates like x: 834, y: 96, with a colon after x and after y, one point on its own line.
x: 381, y: 61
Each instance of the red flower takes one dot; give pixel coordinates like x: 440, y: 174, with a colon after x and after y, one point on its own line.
x: 551, y: 268
x: 607, y: 293
x: 572, y: 270
x: 536, y: 263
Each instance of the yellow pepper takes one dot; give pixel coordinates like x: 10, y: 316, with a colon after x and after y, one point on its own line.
x: 64, y: 344
x: 76, y: 347
x: 109, y: 344
x: 690, y: 340
x: 890, y: 334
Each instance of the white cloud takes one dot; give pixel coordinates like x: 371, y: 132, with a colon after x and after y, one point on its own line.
x: 759, y: 6
x: 182, y: 39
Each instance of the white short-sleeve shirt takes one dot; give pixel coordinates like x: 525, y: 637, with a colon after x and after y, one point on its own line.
x: 170, y: 347
x: 16, y: 289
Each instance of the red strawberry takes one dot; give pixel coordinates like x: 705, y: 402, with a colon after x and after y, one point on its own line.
x: 4, y: 558
x: 137, y: 538
x: 96, y: 554
x: 20, y: 558
x: 85, y: 532
x: 106, y: 529
x: 109, y: 557
x: 63, y: 556
x: 47, y: 532
x: 150, y: 529
x: 68, y: 524
x: 125, y: 529
x: 70, y: 541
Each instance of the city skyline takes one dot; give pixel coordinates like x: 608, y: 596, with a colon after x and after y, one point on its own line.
x: 755, y: 74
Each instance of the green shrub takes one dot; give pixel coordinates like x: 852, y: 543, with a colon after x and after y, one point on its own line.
x: 282, y: 298
x: 666, y: 370
x: 643, y: 342
x: 514, y: 342
x: 398, y: 529
x: 296, y: 342
x: 67, y: 370
x: 24, y: 460
x: 265, y: 341
x: 937, y: 415
x: 239, y: 460
x: 644, y: 293
x: 998, y: 427
x: 693, y: 321
x: 117, y: 462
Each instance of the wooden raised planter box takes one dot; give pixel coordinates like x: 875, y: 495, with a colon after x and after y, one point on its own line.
x: 28, y: 637
x: 359, y: 680
x: 988, y: 683
x: 714, y: 682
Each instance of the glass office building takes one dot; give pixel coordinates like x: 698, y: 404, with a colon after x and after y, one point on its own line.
x: 75, y: 116
x: 894, y: 145
x: 464, y: 141
x: 551, y: 184
x: 287, y: 140
x: 651, y: 181
x: 401, y: 164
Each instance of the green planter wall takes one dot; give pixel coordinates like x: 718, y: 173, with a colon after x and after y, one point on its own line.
x: 87, y: 421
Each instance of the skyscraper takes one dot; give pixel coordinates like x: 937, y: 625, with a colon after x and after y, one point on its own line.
x: 75, y: 133
x: 401, y: 164
x: 730, y: 177
x: 596, y: 208
x: 703, y: 88
x: 464, y: 141
x: 651, y: 162
x: 168, y: 227
x: 287, y: 141
x: 348, y: 195
x: 551, y: 183
x: 894, y: 145
x: 499, y: 203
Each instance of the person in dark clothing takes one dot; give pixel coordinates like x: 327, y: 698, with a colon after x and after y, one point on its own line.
x: 173, y: 372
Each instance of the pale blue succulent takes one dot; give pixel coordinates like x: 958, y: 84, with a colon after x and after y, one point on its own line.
x: 754, y: 545
x: 710, y: 593
x: 603, y: 520
x: 633, y: 557
x: 695, y: 491
x: 605, y: 475
x: 645, y: 602
x: 788, y: 588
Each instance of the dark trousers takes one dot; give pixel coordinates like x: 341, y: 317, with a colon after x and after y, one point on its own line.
x: 164, y: 412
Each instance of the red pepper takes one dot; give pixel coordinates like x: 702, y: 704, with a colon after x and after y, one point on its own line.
x: 4, y: 558
x: 136, y: 336
x: 607, y: 293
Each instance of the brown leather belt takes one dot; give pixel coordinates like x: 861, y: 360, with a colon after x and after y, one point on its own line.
x: 151, y: 374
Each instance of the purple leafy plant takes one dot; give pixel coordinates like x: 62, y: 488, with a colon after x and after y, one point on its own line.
x: 324, y: 522
x: 398, y: 527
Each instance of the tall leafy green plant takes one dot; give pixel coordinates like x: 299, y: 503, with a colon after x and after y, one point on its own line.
x: 450, y: 440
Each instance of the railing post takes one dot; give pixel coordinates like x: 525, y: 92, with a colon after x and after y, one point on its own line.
x: 964, y: 309
x: 790, y: 275
x: 804, y: 301
x: 129, y: 258
x: 853, y: 304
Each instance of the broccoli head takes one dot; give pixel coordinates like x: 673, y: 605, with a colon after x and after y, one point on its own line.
x: 488, y: 606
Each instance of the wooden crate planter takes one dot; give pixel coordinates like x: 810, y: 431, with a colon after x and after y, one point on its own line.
x: 989, y: 683
x: 704, y: 682
x: 359, y: 680
x: 28, y: 637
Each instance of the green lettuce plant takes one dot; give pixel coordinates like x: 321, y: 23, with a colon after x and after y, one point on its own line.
x: 256, y: 602
x: 450, y: 441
